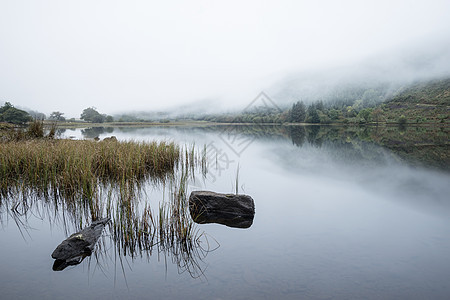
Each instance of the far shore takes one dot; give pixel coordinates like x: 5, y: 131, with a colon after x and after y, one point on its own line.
x: 206, y: 123
x: 187, y: 123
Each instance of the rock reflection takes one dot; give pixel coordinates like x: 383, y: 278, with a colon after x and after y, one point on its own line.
x: 227, y: 219
x: 61, y: 264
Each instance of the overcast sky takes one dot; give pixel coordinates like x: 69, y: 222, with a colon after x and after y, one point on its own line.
x: 130, y: 55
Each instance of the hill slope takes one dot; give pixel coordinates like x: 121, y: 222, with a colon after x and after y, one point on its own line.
x: 427, y: 102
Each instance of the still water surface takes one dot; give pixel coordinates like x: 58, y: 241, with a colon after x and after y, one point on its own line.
x: 335, y: 219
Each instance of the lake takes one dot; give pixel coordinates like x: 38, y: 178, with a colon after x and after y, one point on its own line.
x: 340, y: 214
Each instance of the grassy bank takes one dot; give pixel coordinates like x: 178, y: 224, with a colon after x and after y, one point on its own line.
x: 74, y: 169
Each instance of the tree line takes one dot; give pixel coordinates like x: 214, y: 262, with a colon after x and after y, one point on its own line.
x: 13, y: 115
x: 362, y: 107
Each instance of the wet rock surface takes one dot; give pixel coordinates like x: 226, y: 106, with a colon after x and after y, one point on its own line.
x: 227, y: 209
x: 77, y: 246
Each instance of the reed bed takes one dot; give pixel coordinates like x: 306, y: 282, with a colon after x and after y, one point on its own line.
x: 81, y: 181
x: 75, y: 169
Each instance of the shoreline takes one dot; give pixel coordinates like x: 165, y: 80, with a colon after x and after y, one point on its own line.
x: 207, y: 124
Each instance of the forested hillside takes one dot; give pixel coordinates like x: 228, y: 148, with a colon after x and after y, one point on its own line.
x: 420, y: 103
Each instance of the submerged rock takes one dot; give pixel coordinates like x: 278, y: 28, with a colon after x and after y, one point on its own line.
x: 76, y: 247
x: 227, y: 209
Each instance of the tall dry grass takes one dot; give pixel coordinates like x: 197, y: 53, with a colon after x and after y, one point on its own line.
x: 36, y: 129
x: 74, y: 169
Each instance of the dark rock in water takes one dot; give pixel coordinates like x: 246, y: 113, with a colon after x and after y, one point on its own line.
x: 76, y: 247
x: 227, y: 209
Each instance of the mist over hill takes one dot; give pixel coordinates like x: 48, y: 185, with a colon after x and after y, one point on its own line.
x: 379, y: 77
x: 386, y: 73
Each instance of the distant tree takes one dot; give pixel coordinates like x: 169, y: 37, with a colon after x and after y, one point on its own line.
x: 10, y: 114
x: 376, y: 114
x: 333, y: 114
x: 57, y: 116
x: 5, y: 107
x: 297, y: 113
x: 313, y: 115
x: 320, y: 106
x: 366, y: 114
x: 109, y: 119
x: 350, y: 112
x: 92, y: 115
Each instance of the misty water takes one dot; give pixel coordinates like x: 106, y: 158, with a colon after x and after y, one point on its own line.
x: 337, y: 217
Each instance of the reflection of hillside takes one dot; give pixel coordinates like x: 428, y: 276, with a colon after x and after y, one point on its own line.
x: 419, y: 146
x: 426, y: 146
x: 344, y: 147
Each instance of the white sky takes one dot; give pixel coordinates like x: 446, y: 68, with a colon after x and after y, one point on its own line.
x: 67, y: 55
